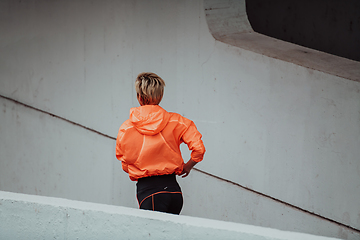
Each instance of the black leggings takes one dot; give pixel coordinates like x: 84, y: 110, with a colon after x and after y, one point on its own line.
x: 160, y: 193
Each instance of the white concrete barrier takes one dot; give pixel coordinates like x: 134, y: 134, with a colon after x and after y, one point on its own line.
x: 37, y: 217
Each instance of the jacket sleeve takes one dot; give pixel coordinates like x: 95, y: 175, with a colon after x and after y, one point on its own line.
x: 192, y: 138
x: 118, y: 151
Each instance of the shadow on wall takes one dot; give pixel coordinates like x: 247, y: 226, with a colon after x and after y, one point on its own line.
x: 328, y: 26
x: 230, y: 23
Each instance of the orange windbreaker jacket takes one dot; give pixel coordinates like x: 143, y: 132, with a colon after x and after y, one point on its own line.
x: 148, y: 143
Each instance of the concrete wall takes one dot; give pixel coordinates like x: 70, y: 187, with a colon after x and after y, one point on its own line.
x: 285, y: 131
x: 35, y: 217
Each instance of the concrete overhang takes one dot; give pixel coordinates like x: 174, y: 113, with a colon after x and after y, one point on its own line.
x: 228, y: 23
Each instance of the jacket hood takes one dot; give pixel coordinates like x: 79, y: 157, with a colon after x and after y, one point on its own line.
x: 149, y: 119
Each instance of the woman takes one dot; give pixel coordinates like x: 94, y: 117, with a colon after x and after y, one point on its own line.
x: 148, y: 146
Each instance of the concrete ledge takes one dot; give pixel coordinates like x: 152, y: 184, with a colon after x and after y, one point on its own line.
x: 228, y: 23
x: 36, y: 217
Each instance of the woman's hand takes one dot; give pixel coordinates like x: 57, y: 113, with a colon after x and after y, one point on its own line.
x: 187, y: 168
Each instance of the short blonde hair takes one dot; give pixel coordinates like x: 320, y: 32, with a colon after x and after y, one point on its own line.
x: 150, y: 88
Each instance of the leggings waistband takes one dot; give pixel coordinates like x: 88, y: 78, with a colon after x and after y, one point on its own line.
x: 156, y: 181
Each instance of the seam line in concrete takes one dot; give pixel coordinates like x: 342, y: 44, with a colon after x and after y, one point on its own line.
x: 278, y: 200
x: 59, y: 117
x: 196, y: 169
